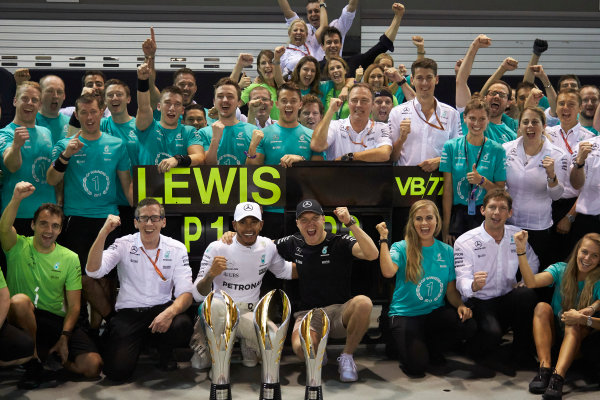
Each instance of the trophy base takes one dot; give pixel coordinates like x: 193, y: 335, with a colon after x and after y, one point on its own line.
x: 270, y: 391
x: 220, y: 392
x: 313, y: 393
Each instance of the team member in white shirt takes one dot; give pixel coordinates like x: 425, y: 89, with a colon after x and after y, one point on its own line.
x: 566, y: 136
x: 486, y: 263
x: 151, y: 268
x: 357, y: 137
x: 420, y: 127
x: 535, y: 172
x: 585, y: 175
x: 238, y: 269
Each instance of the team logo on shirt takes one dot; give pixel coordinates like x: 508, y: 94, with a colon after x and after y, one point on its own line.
x: 96, y: 183
x: 430, y: 289
x: 107, y: 149
x: 133, y: 250
x: 132, y: 134
x: 478, y: 244
x: 439, y: 257
x: 161, y: 156
x: 167, y: 254
x: 178, y: 137
x: 39, y: 168
x: 324, y: 251
x: 262, y: 258
x: 56, y: 266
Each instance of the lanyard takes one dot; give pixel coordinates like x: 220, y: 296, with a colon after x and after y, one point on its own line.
x: 362, y: 140
x: 154, y: 263
x: 473, y: 187
x: 564, y: 138
x: 295, y: 48
x: 440, y: 126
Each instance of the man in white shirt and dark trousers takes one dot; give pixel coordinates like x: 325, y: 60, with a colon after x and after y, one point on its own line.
x: 585, y: 176
x: 486, y: 262
x: 238, y: 269
x: 152, y: 269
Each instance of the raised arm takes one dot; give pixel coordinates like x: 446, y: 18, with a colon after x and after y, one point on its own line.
x: 539, y: 46
x: 578, y: 171
x: 399, y: 143
x: 538, y: 72
x: 149, y: 49
x: 57, y: 170
x: 255, y: 158
x: 8, y: 234
x: 399, y: 79
x: 419, y: 43
x: 277, y: 74
x: 388, y: 268
x: 144, y: 116
x: 532, y: 280
x: 94, y: 261
x: 244, y: 60
x: 508, y: 64
x: 319, y: 138
x: 215, y: 141
x: 323, y: 21
x: 463, y: 94
x: 286, y: 9
x: 392, y: 30
x: 364, y: 248
x: 12, y: 155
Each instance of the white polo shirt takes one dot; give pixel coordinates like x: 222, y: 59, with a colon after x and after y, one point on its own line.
x: 424, y: 140
x: 568, y: 143
x: 589, y: 197
x: 476, y: 251
x: 141, y: 285
x: 342, y: 139
x: 246, y: 267
x: 343, y: 24
x: 527, y: 183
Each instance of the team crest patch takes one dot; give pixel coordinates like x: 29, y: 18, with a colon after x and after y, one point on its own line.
x: 324, y: 251
x: 56, y: 266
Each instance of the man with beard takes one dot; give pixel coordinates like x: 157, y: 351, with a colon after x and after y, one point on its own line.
x: 239, y: 269
x: 311, y: 112
x: 316, y: 13
x: 590, y: 97
x: 49, y: 116
x: 259, y: 107
x: 357, y: 137
x: 92, y: 82
x: 497, y: 96
x: 226, y: 141
x: 166, y: 142
x: 26, y: 150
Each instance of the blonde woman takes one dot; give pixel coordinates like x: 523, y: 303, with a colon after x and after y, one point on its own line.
x: 421, y: 322
x: 577, y: 287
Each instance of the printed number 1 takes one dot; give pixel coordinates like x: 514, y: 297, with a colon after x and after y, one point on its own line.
x: 96, y: 181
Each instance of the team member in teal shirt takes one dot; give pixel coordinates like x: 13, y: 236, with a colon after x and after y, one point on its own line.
x: 420, y: 321
x: 226, y: 141
x: 49, y: 116
x: 576, y: 298
x: 26, y: 150
x: 92, y: 164
x: 165, y: 143
x: 472, y: 165
x: 286, y: 141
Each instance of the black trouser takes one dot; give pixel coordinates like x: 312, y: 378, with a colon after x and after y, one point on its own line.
x: 461, y: 221
x: 583, y: 224
x: 419, y: 337
x: 14, y: 343
x: 494, y: 316
x: 562, y: 244
x: 128, y: 329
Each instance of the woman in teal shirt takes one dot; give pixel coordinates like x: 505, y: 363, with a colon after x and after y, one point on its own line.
x: 576, y: 287
x: 420, y: 320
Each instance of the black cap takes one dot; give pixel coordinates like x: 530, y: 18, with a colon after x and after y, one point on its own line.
x: 308, y: 205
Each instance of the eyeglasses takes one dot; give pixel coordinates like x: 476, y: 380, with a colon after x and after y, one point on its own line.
x: 146, y: 218
x: 502, y: 95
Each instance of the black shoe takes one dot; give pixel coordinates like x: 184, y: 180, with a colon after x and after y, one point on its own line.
x: 554, y: 390
x: 540, y: 382
x: 32, y: 378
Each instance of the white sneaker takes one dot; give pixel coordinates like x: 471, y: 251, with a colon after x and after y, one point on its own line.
x: 347, y: 368
x: 249, y: 356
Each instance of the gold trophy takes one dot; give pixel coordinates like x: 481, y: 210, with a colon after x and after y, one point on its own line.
x: 271, y: 320
x: 220, y: 330
x: 313, y: 353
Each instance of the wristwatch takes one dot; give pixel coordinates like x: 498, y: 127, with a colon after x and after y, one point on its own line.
x: 571, y: 218
x: 347, y: 157
x: 589, y: 322
x: 551, y: 180
x: 579, y: 166
x: 323, y: 4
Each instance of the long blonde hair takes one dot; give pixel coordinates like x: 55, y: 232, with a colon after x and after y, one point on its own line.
x: 414, y: 256
x: 569, y: 287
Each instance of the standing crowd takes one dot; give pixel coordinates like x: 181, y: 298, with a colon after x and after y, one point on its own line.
x: 520, y: 208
